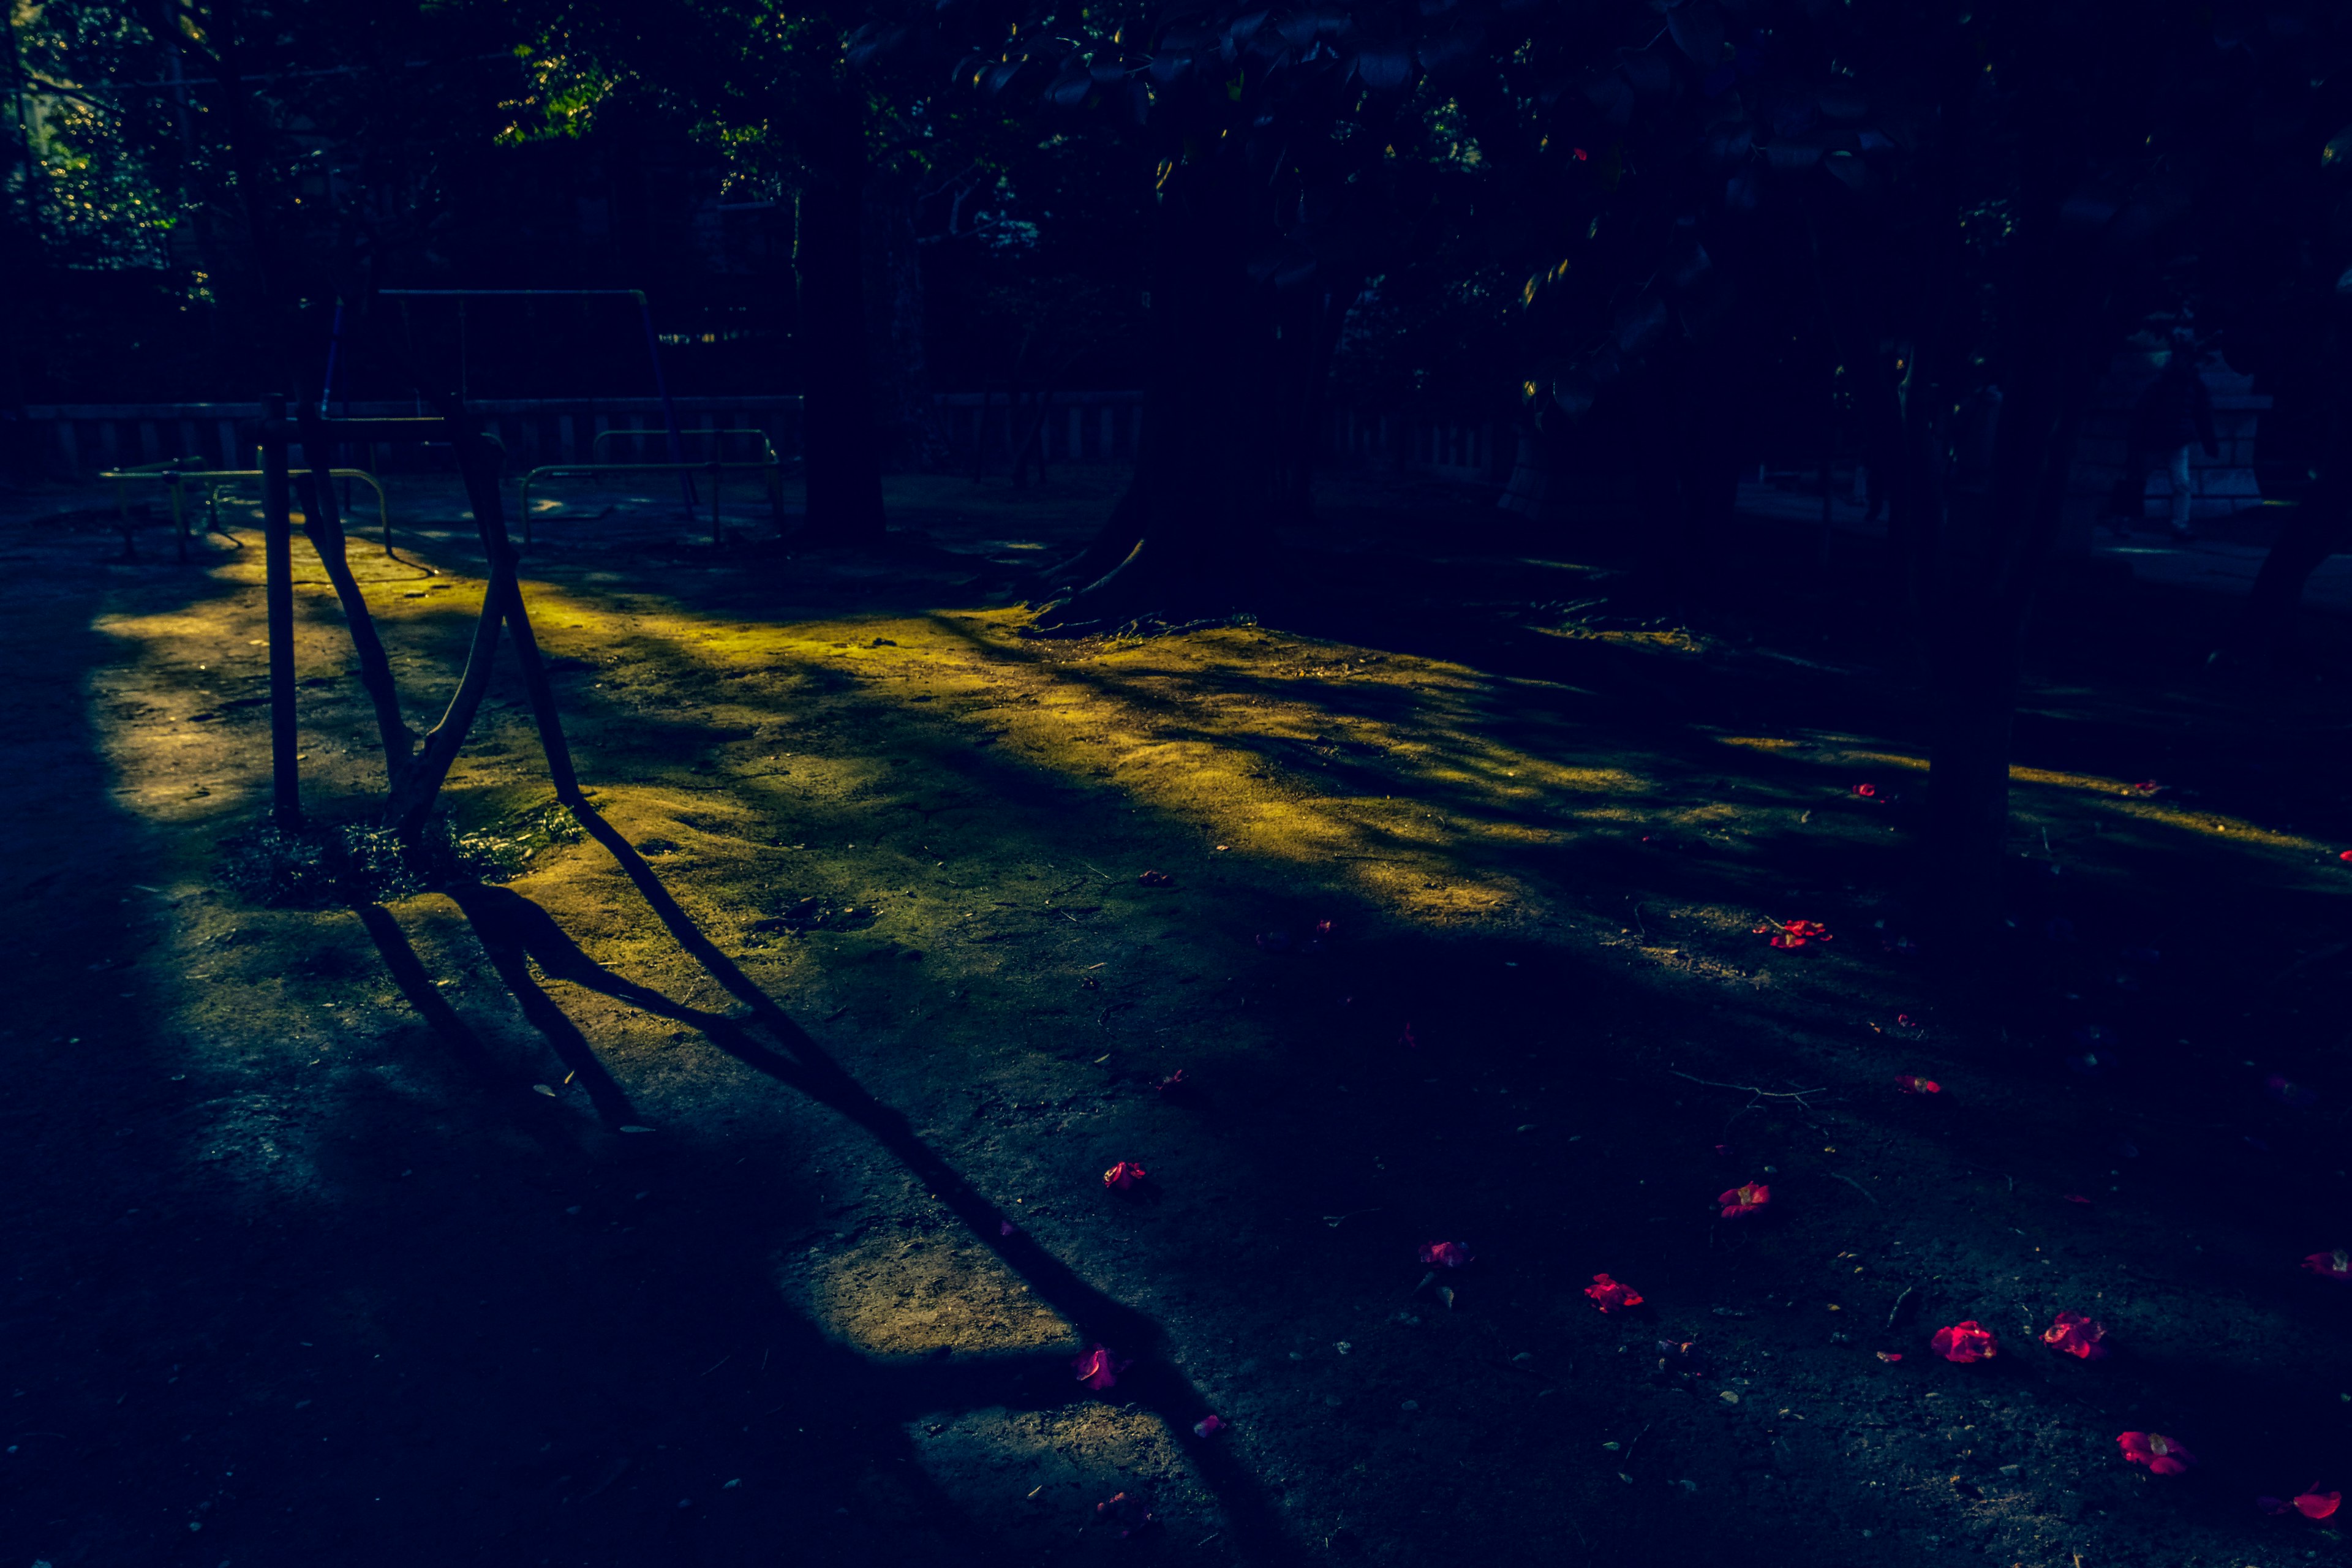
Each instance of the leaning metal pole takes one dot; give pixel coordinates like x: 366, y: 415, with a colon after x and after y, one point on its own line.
x: 277, y: 566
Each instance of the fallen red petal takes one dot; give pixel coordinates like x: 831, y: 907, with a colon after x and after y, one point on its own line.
x: 1890, y: 1355
x: 1745, y: 1199
x: 2335, y: 1264
x: 2076, y: 1198
x: 2163, y: 1456
x: 1611, y: 1296
x: 1446, y: 1254
x: 1098, y: 1369
x: 2076, y: 1334
x: 1123, y: 1176
x: 1912, y: 1083
x: 1866, y: 791
x: 1966, y: 1341
x: 1208, y: 1424
x: 2316, y: 1504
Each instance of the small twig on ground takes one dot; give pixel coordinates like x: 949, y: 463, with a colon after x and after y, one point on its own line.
x: 723, y: 1360
x: 1896, y: 1311
x: 1857, y: 1186
x: 1798, y: 1095
x: 1108, y: 877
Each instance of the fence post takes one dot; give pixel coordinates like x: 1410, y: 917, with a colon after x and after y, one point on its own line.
x: 277, y: 566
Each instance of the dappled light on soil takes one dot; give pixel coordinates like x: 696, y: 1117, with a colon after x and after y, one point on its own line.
x: 1470, y: 974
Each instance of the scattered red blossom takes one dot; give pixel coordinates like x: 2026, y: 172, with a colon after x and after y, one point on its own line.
x: 1867, y: 790
x: 2335, y: 1264
x: 1208, y: 1425
x: 1098, y: 1369
x: 1446, y: 1254
x: 1175, y: 1083
x: 1912, y: 1083
x: 1965, y: 1341
x: 1795, y: 934
x: 1324, y: 929
x: 2076, y: 1334
x: 2316, y: 1504
x: 1611, y: 1296
x: 2076, y: 1198
x: 1123, y: 1176
x: 1155, y: 879
x: 1890, y: 1356
x: 1580, y: 153
x: 2163, y: 1455
x: 2346, y: 855
x: 1744, y: 1199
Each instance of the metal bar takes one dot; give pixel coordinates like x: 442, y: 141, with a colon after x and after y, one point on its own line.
x: 278, y: 514
x: 772, y: 464
x: 661, y: 390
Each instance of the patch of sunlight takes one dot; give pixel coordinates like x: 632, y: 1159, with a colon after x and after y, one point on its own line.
x: 901, y: 1293
x: 1068, y: 1459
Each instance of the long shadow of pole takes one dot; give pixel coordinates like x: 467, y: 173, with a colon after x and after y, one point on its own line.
x: 1250, y: 1520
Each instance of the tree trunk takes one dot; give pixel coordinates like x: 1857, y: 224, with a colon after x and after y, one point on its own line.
x: 906, y: 423
x: 1191, y: 534
x: 843, y: 460
x: 2320, y: 526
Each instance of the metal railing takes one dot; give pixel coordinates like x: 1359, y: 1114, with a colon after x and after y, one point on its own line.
x: 767, y: 462
x: 175, y: 478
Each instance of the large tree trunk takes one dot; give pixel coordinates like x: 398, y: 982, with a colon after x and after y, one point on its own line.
x: 2319, y: 526
x: 843, y: 460
x: 906, y: 423
x: 1192, y: 535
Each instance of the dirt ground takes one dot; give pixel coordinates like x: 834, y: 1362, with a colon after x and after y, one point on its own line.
x: 727, y: 1187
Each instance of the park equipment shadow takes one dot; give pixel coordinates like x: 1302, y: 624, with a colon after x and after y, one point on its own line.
x: 517, y: 932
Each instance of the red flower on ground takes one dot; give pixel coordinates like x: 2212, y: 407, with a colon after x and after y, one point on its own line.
x: 1744, y: 1200
x: 1209, y: 1424
x: 1965, y: 1341
x: 2347, y: 854
x: 1446, y: 1254
x: 1890, y: 1356
x: 1611, y: 1296
x: 2077, y: 1335
x: 1912, y: 1083
x: 1123, y: 1176
x: 2163, y: 1455
x: 1155, y: 879
x: 2335, y: 1264
x: 2316, y: 1504
x: 1324, y: 929
x: 1795, y: 934
x: 1098, y: 1369
x: 1866, y: 791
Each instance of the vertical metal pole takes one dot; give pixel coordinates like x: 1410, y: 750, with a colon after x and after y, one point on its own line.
x: 661, y: 390
x: 278, y: 565
x: 716, y: 536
